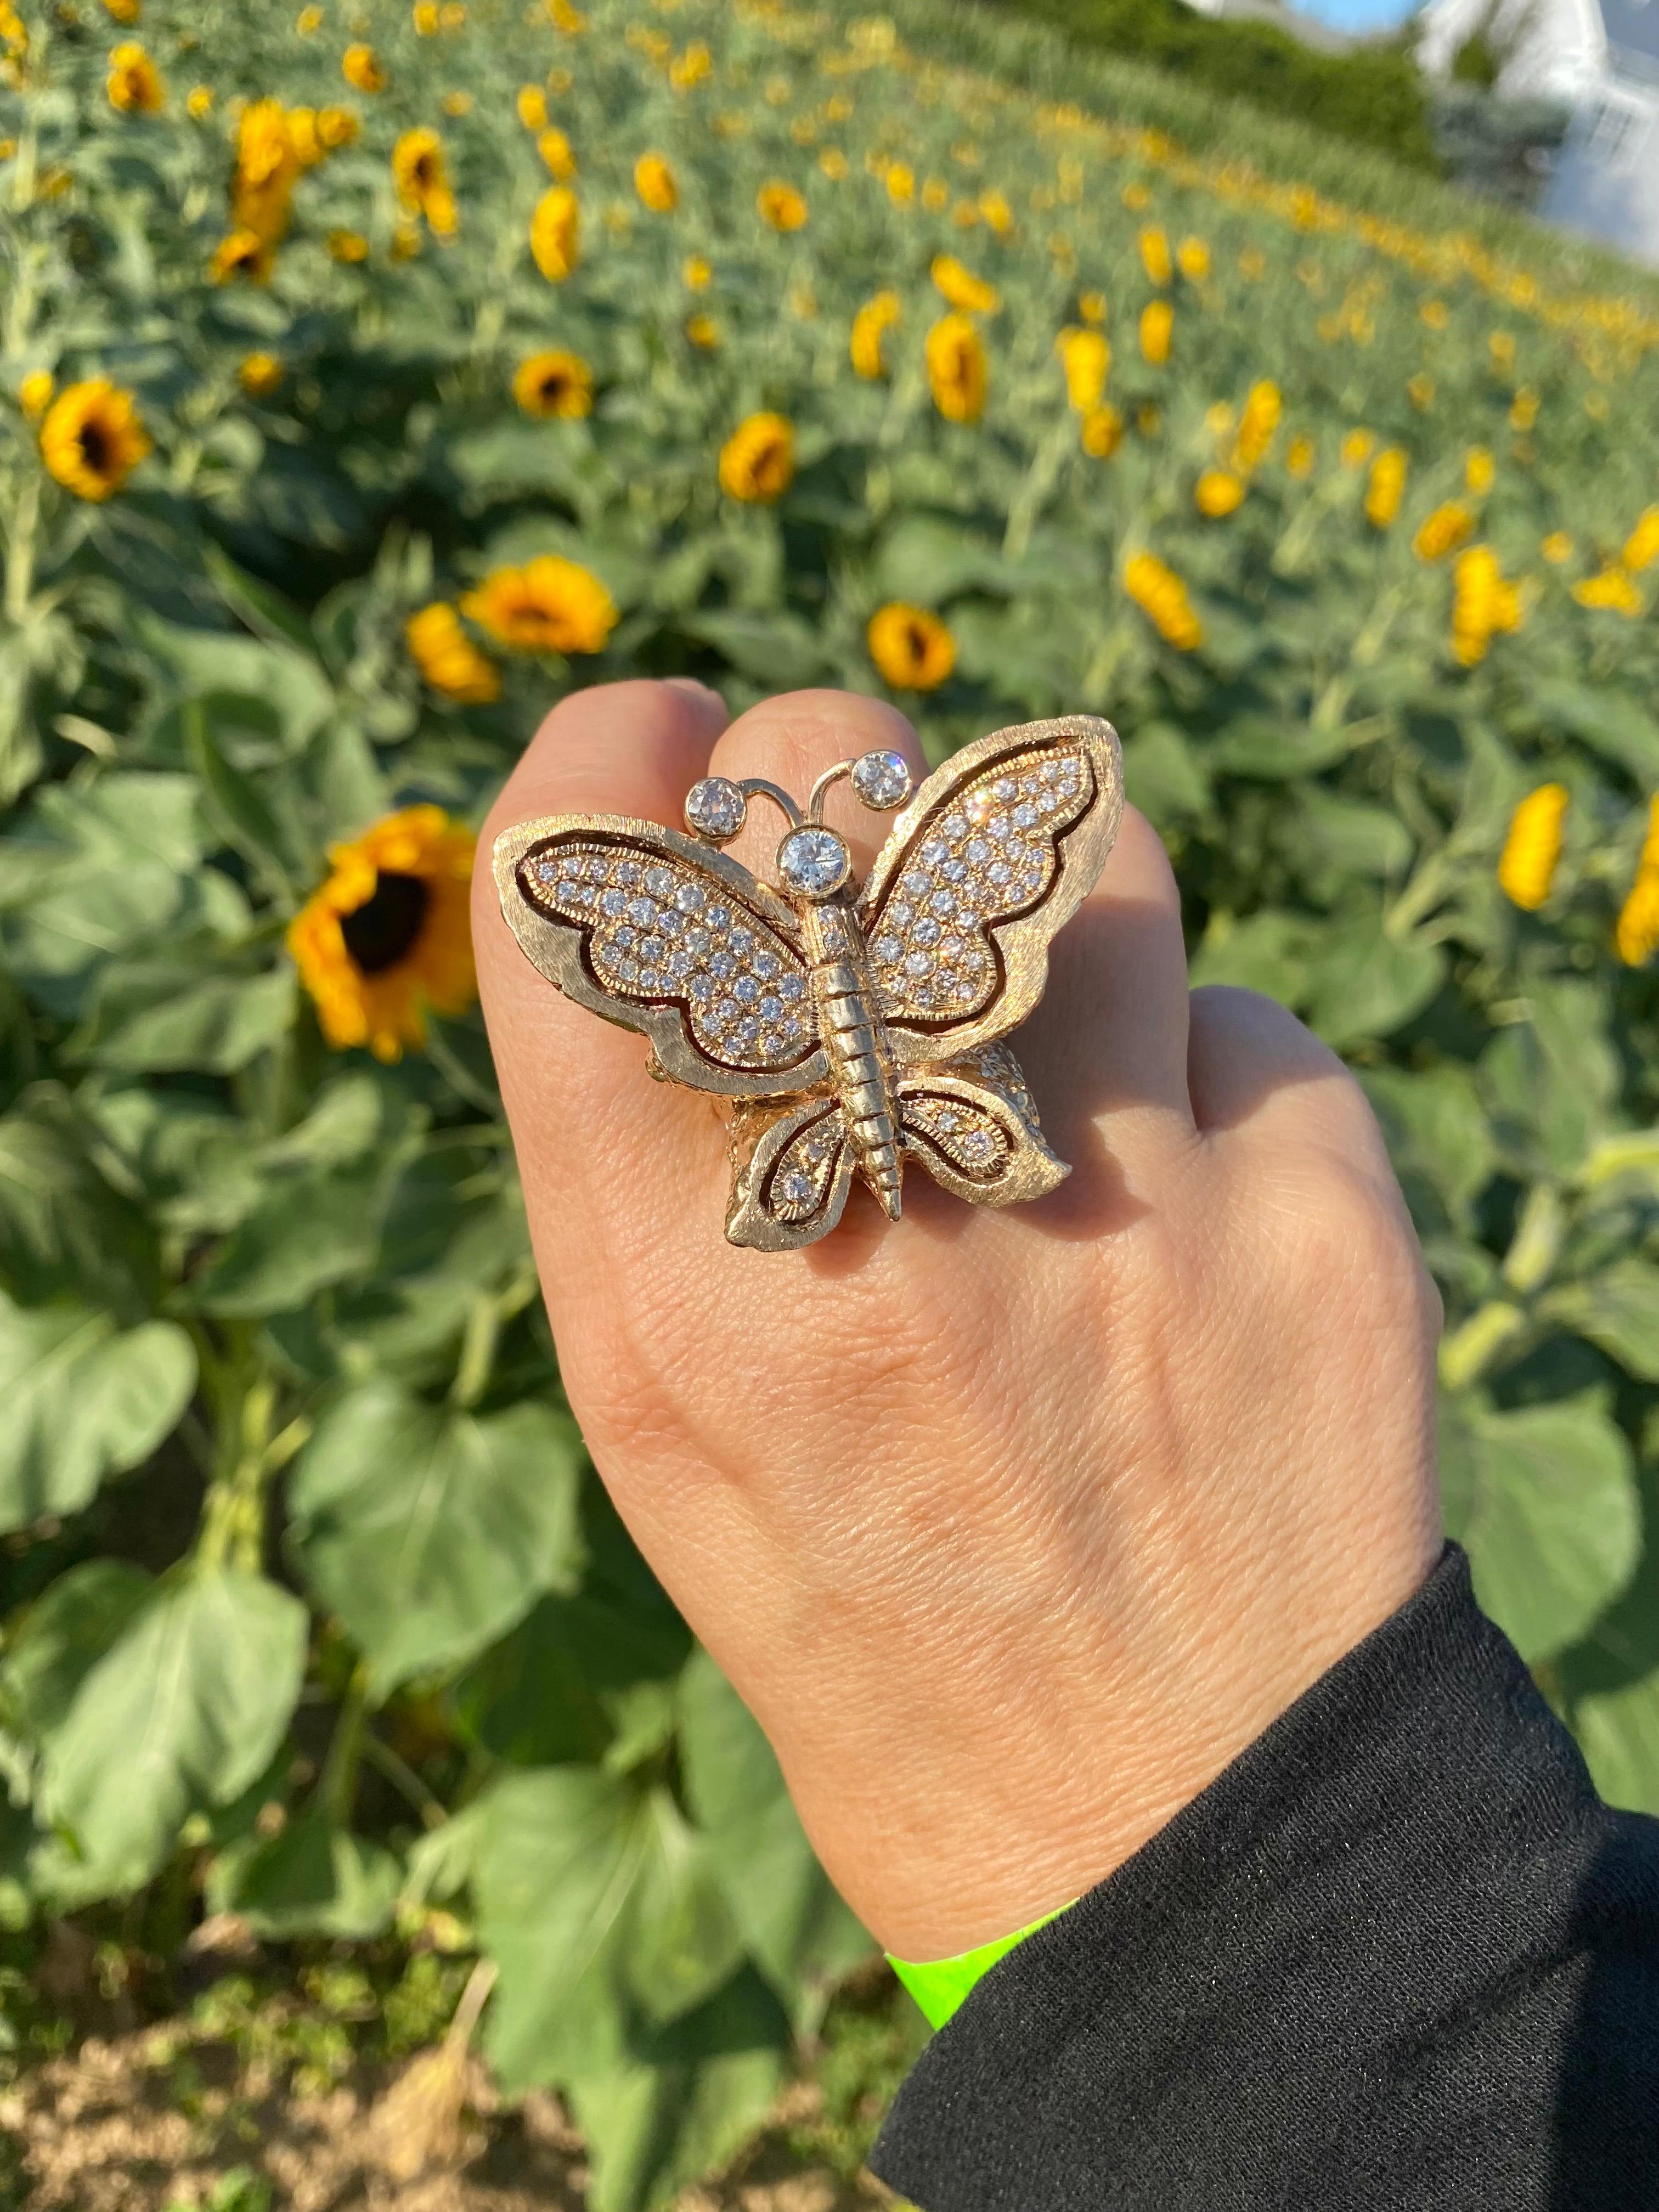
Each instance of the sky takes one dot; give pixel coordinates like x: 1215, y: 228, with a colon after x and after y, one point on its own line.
x: 1359, y: 15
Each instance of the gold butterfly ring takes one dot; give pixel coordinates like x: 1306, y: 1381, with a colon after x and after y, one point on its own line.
x: 852, y: 1027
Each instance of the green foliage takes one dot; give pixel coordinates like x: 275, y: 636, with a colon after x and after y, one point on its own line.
x: 314, y: 1613
x: 1372, y: 94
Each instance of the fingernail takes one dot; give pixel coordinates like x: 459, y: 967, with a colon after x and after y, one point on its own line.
x: 691, y: 686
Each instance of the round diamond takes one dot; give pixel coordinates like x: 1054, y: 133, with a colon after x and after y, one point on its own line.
x: 659, y: 880
x: 747, y: 989
x: 1004, y: 786
x: 722, y: 964
x: 916, y: 963
x: 689, y: 897
x: 889, y: 948
x: 813, y: 863
x: 771, y: 1007
x: 1024, y: 815
x: 795, y: 1187
x: 714, y: 809
x: 882, y: 779
x: 613, y: 902
x: 927, y: 931
x: 792, y: 989
x: 642, y: 911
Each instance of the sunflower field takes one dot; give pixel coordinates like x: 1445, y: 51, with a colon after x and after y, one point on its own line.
x: 369, y: 375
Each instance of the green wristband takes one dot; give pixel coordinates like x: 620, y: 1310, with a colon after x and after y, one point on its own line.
x: 939, y: 1986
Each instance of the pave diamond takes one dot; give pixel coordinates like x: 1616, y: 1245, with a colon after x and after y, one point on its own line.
x: 813, y: 863
x: 882, y: 779
x: 714, y: 809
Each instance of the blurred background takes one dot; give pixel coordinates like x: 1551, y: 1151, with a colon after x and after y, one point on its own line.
x: 1282, y: 384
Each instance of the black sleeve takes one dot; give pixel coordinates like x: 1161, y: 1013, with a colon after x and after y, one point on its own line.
x: 1399, y: 1956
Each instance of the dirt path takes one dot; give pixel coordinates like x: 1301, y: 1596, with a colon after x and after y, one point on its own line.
x: 163, y: 2117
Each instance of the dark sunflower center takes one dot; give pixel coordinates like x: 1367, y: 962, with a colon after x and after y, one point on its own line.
x: 94, y: 448
x: 918, y: 639
x: 383, y: 930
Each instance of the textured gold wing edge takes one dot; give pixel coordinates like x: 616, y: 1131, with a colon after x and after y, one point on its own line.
x: 1033, y: 1170
x: 747, y: 1221
x: 1023, y: 943
x: 555, y: 948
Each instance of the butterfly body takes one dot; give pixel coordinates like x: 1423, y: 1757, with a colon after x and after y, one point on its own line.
x: 855, y: 1039
x: 851, y: 1028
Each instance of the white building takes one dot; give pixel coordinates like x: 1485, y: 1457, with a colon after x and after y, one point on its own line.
x: 1601, y: 57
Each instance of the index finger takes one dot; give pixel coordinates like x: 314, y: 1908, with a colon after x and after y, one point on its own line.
x: 581, y: 1117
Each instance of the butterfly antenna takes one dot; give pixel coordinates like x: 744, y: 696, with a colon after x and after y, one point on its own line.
x: 820, y: 789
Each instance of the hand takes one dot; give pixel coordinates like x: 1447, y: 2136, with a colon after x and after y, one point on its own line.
x: 1012, y: 1528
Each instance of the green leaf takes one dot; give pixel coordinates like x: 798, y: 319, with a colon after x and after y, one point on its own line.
x: 657, y: 2123
x: 1618, y: 728
x: 1554, y: 1077
x: 429, y: 1531
x: 65, y: 1230
x: 1267, y: 953
x: 310, y: 1231
x: 59, y: 1638
x: 798, y: 1932
x: 83, y: 1398
x: 1350, y: 838
x: 549, y: 1692
x: 1276, y: 750
x: 150, y: 1015
x: 1364, y: 983
x: 1437, y: 1132
x: 1618, y: 1731
x: 1544, y: 1498
x: 778, y: 649
x: 313, y: 1879
x: 185, y: 1710
x: 598, y: 1905
x: 1619, y: 1309
x: 1164, y: 775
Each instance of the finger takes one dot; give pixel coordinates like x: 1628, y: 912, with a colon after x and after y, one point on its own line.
x: 1259, y: 1077
x: 575, y: 1087
x: 1113, y: 1023
x: 791, y: 740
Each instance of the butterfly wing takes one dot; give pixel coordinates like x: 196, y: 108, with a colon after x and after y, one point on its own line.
x: 974, y: 1127
x: 791, y: 1175
x: 995, y: 852
x: 660, y: 934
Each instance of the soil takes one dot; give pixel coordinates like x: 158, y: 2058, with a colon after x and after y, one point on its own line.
x: 159, y: 2118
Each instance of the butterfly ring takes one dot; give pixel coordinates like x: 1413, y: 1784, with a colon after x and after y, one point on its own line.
x: 853, y: 1027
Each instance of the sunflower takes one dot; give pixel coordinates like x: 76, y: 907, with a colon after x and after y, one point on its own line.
x: 1157, y: 321
x: 549, y: 605
x: 703, y: 331
x: 1160, y: 593
x: 348, y: 245
x: 1193, y: 260
x: 336, y: 127
x: 554, y: 233
x: 1557, y: 548
x: 448, y: 658
x: 242, y: 253
x: 1388, y: 482
x: 308, y: 22
x: 555, y: 149
x: 1155, y: 254
x: 1087, y: 358
x: 198, y: 101
x: 869, y: 324
x: 124, y: 11
x: 1218, y: 492
x: 912, y: 648
x: 1452, y: 525
x: 555, y: 384
x: 1300, y: 455
x: 757, y: 461
x: 781, y: 206
x: 423, y: 182
x: 260, y: 374
x: 92, y: 438
x: 1102, y: 431
x: 424, y: 16
x: 654, y: 180
x: 532, y: 107
x: 1532, y: 849
x: 962, y: 289
x: 269, y: 160
x: 133, y: 83
x: 386, y: 936
x: 34, y: 394
x: 359, y: 67
x: 955, y: 368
